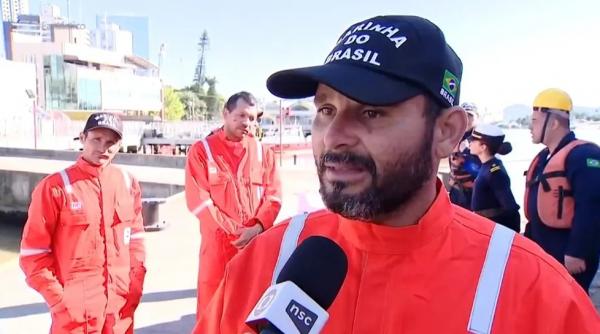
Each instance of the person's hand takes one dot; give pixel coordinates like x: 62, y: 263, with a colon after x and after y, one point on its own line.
x: 574, y: 265
x: 134, y: 296
x: 69, y: 318
x: 131, y: 304
x: 245, y: 235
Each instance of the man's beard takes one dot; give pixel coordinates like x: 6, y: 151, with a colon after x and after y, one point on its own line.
x: 400, y: 181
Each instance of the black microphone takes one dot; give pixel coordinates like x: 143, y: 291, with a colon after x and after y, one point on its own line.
x: 306, y: 286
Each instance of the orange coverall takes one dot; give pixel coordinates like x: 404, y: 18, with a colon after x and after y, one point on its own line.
x: 83, y: 250
x: 416, y: 279
x: 225, y: 201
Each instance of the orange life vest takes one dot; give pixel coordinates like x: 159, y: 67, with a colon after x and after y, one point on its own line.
x: 555, y: 202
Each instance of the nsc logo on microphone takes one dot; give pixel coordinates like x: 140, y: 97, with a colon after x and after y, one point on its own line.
x: 288, y: 308
x: 301, y: 316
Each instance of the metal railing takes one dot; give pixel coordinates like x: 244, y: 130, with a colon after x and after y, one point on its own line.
x: 58, y: 132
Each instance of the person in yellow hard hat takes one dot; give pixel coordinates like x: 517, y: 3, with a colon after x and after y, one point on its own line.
x: 562, y: 193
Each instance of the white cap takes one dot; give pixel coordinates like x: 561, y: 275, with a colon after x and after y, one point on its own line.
x: 487, y: 130
x: 470, y: 108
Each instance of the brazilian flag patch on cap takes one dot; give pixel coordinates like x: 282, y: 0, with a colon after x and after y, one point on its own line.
x: 594, y: 163
x: 450, y: 83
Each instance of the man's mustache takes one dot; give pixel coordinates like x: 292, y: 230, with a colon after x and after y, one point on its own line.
x: 347, y: 158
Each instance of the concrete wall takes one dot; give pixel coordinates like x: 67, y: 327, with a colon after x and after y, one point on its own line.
x: 16, y: 188
x: 123, y: 159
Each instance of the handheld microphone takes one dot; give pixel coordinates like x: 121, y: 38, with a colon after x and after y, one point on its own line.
x: 306, y: 287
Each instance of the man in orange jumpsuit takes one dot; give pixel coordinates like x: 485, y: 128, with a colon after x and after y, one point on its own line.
x: 233, y: 187
x: 82, y: 247
x: 387, y: 112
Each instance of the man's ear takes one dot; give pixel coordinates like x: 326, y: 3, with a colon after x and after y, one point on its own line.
x: 450, y: 127
x: 82, y: 137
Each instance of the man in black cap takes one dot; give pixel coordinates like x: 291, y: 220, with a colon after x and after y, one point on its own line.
x: 82, y: 247
x: 387, y: 112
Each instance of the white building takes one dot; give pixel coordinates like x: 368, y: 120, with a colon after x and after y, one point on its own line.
x: 108, y: 36
x: 11, y: 9
x: 77, y: 78
x: 50, y: 14
x: 15, y: 80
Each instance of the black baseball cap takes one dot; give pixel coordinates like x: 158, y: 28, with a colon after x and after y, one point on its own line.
x: 105, y: 120
x: 381, y: 61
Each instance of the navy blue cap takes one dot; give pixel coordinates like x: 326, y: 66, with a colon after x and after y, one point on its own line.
x: 105, y: 120
x: 381, y: 61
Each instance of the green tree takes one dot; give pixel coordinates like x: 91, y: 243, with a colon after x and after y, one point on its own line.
x: 195, y: 108
x: 174, y: 108
x: 213, y: 100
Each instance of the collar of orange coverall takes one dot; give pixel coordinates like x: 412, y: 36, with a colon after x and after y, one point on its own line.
x: 237, y: 147
x: 91, y: 169
x: 398, y: 240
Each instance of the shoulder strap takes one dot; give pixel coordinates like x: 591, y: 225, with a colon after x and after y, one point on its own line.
x: 289, y: 242
x: 490, y: 281
x: 560, y: 156
x: 67, y: 183
x: 207, y: 150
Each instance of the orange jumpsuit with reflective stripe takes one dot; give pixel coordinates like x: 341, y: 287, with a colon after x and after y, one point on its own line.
x: 417, y: 279
x: 224, y: 201
x: 83, y: 250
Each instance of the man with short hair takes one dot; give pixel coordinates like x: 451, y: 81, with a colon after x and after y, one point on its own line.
x: 387, y: 113
x: 562, y: 194
x: 233, y: 187
x: 82, y: 246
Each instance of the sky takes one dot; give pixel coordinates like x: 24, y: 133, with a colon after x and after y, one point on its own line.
x: 511, y: 49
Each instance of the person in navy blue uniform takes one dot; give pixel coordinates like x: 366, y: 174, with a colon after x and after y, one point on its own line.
x: 492, y: 196
x: 464, y: 166
x: 562, y: 196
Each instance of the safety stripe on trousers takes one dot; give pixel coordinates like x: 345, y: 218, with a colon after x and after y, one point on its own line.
x: 490, y: 281
x: 274, y: 199
x: 137, y: 235
x: 259, y: 151
x: 259, y: 156
x: 34, y: 251
x: 66, y: 182
x: 202, y: 206
x: 259, y: 192
x: 289, y: 242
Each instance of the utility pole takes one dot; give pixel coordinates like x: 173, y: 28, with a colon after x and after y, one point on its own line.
x: 200, y: 75
x: 161, y: 53
x: 68, y: 11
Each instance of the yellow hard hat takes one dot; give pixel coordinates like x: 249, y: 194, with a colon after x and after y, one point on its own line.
x: 553, y: 98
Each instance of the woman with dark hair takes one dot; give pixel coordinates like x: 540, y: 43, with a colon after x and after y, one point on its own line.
x: 492, y: 197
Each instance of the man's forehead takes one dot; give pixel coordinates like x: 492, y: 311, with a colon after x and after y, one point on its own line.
x: 102, y: 132
x: 325, y: 94
x: 245, y: 106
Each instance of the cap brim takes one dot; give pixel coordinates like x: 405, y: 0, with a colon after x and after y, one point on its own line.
x: 361, y: 84
x: 108, y: 128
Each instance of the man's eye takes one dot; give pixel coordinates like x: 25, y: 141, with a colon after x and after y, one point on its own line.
x: 372, y: 113
x: 327, y: 111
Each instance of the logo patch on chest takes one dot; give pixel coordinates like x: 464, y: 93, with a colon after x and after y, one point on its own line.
x: 76, y: 206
